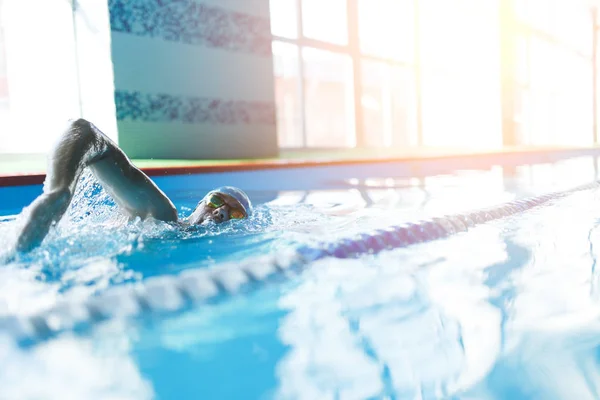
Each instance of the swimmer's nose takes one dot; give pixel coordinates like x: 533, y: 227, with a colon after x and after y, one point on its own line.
x: 220, y: 215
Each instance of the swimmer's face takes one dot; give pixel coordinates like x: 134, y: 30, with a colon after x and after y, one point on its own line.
x: 217, y: 207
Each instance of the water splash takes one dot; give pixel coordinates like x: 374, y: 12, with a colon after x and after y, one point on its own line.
x: 95, y: 246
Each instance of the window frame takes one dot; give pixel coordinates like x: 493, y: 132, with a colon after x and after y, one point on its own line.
x: 514, y: 28
x: 351, y: 49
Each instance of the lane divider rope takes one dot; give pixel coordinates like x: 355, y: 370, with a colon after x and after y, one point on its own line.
x: 170, y: 294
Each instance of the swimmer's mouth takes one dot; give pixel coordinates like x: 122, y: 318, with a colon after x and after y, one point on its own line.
x: 204, y: 218
x: 209, y: 217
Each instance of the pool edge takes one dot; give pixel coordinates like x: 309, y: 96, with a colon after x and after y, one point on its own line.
x: 482, y: 159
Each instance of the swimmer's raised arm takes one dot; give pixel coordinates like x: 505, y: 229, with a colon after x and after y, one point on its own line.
x: 83, y: 145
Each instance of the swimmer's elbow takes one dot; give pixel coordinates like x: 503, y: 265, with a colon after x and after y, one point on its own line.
x: 80, y: 123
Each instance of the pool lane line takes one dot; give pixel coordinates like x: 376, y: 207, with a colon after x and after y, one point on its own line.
x: 170, y: 294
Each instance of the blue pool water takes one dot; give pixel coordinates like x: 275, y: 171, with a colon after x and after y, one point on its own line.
x: 508, y: 310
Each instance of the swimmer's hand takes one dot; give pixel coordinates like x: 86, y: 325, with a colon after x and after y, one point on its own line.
x: 43, y: 212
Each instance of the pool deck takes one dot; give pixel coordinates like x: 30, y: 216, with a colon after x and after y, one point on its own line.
x: 27, y: 169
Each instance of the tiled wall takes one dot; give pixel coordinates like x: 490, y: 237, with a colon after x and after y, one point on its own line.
x: 193, y: 78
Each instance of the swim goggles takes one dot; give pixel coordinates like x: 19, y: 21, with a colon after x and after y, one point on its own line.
x: 216, y: 201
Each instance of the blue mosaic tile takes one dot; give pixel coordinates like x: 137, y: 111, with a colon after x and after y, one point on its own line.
x: 194, y: 23
x: 137, y: 106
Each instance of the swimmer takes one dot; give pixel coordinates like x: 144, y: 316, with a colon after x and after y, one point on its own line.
x: 83, y: 145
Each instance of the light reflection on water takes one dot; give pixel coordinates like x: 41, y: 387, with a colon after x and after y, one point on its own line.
x: 508, y: 310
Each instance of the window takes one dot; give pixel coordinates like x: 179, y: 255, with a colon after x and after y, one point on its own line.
x: 352, y: 76
x: 286, y: 63
x: 38, y: 61
x: 328, y: 81
x: 47, y: 76
x: 344, y: 72
x: 387, y: 28
x: 356, y: 81
x: 325, y: 21
x: 460, y: 85
x: 555, y: 94
x: 388, y: 105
